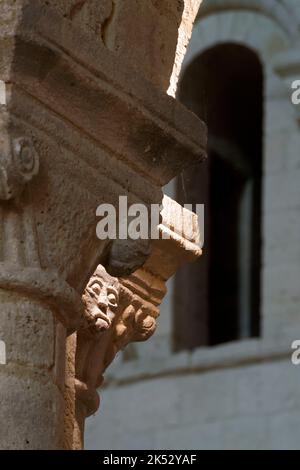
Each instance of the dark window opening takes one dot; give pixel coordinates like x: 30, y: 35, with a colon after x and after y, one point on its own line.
x: 217, y: 299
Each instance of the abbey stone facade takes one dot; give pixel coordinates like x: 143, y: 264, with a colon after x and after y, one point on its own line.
x: 190, y: 387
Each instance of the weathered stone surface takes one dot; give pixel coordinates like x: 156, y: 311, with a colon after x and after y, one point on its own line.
x: 20, y: 319
x: 148, y: 132
x: 129, y: 33
x: 90, y: 15
x: 28, y: 401
x: 31, y: 396
x: 80, y: 125
x: 126, y: 28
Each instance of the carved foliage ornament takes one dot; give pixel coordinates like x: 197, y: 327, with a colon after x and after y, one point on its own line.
x: 19, y: 163
x: 137, y: 320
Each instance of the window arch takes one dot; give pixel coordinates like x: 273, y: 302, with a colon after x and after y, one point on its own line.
x: 218, y: 298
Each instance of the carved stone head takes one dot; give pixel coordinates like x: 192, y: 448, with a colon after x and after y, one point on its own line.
x: 101, y: 299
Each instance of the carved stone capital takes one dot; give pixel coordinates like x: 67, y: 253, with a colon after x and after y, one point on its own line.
x: 116, y: 313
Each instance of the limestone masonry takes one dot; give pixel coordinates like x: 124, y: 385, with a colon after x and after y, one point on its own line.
x: 84, y: 118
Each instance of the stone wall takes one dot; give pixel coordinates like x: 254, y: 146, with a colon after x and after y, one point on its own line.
x: 244, y: 407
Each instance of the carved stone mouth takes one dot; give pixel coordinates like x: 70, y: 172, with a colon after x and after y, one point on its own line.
x: 103, y: 322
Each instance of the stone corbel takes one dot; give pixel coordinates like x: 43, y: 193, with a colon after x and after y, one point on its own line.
x: 118, y: 312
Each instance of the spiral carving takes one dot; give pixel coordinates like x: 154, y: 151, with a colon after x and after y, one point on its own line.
x: 17, y: 167
x: 25, y: 158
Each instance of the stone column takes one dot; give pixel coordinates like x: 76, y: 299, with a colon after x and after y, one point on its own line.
x: 32, y: 381
x: 80, y: 125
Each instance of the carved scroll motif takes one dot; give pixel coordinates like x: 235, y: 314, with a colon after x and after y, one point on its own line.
x: 19, y: 163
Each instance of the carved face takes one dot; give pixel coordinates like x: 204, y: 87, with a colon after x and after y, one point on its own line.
x: 101, y: 299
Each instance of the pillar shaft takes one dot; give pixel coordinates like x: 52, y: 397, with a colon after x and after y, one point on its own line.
x: 31, y: 399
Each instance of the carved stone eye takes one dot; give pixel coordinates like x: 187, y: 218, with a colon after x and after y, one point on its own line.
x: 112, y: 299
x: 96, y: 288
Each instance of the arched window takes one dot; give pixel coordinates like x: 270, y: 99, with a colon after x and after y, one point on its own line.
x: 218, y: 298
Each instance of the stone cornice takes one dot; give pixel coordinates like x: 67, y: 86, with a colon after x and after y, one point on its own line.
x: 89, y: 86
x: 100, y: 130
